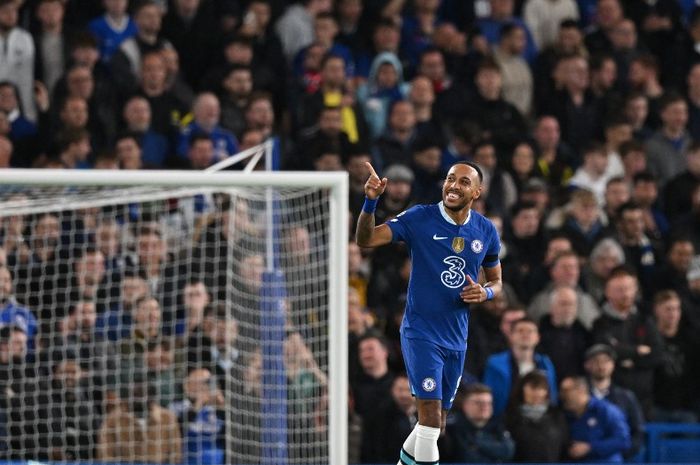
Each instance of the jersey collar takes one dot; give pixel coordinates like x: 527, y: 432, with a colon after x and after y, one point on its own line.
x: 447, y: 217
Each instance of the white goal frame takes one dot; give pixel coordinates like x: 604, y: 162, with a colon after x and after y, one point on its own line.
x: 338, y: 185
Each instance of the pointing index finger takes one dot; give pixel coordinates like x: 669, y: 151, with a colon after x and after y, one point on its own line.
x: 371, y: 169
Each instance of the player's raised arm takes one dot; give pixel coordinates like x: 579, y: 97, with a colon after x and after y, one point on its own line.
x: 367, y: 234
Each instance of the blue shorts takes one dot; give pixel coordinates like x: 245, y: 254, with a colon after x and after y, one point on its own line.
x: 433, y: 371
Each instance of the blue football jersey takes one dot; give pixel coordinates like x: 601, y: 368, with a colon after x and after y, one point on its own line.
x: 443, y: 253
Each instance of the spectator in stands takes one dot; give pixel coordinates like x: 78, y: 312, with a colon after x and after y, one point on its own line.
x: 525, y: 247
x: 137, y: 119
x: 426, y: 165
x: 201, y: 418
x: 42, y: 275
x: 604, y: 258
x: 91, y: 280
x: 79, y: 335
x: 640, y: 253
x: 14, y: 314
x: 129, y: 151
x: 167, y: 109
x: 498, y: 119
x: 645, y: 192
x: 598, y: 429
x: 385, y: 37
x: 500, y: 374
x: 679, y: 190
x: 474, y: 433
x: 221, y: 345
x: 385, y: 428
x: 666, y: 147
x: 190, y: 316
x: 634, y: 159
x: 600, y: 365
x: 635, y: 340
x: 207, y: 112
x: 201, y: 152
x: 69, y: 420
x: 384, y: 86
x: 517, y: 77
x: 18, y: 62
x: 593, y: 174
x: 584, y: 225
x: 52, y: 43
x: 374, y: 383
x: 127, y: 62
x: 553, y: 156
x: 503, y: 12
x: 175, y: 81
x: 618, y: 192
x: 604, y: 72
x: 117, y: 322
x: 539, y: 429
x: 19, y: 381
x: 676, y: 378
x: 563, y: 337
x: 162, y: 374
x: 260, y: 115
x: 636, y: 110
x: 295, y: 27
x: 565, y: 271
x: 398, y: 195
x: 153, y: 263
x: 543, y: 19
x: 193, y: 29
x: 139, y: 430
x: 113, y: 28
x: 394, y: 146
x: 237, y: 86
x: 574, y: 105
x: 673, y: 274
x: 145, y: 328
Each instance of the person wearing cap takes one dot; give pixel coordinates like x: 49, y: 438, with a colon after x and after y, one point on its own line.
x: 598, y: 429
x: 600, y: 365
x: 398, y: 195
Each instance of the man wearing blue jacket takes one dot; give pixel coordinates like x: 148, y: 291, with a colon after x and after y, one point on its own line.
x: 599, y: 432
x: 505, y: 368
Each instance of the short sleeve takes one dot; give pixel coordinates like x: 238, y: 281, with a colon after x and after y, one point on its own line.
x: 401, y: 225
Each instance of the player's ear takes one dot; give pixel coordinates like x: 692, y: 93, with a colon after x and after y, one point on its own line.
x: 477, y: 193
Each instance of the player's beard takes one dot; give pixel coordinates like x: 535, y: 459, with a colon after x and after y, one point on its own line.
x: 464, y: 203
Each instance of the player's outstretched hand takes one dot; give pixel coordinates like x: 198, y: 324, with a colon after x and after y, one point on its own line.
x: 473, y: 293
x: 374, y: 187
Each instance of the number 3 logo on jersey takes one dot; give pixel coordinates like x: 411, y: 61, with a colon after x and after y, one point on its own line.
x: 453, y: 276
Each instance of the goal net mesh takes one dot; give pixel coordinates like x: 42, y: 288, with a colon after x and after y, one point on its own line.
x: 164, y: 325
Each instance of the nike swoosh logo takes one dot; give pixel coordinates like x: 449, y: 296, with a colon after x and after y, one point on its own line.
x: 438, y: 238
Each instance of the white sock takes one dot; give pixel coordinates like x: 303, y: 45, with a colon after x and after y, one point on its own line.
x: 426, y: 444
x: 409, y: 445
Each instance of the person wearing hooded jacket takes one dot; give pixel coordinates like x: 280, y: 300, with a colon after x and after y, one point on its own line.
x: 384, y: 86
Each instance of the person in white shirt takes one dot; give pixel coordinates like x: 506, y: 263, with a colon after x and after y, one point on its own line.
x: 17, y: 56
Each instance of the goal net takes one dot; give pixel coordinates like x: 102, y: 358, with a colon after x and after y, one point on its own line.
x: 173, y: 317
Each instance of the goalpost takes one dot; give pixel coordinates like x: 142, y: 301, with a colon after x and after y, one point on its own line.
x: 111, y: 265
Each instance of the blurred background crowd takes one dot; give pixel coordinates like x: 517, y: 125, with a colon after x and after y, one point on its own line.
x: 583, y: 114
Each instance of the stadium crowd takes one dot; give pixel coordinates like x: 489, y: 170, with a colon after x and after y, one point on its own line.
x: 584, y: 116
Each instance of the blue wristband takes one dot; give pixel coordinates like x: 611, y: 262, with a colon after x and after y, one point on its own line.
x: 489, y: 293
x: 370, y: 205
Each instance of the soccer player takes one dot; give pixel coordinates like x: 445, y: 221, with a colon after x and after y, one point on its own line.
x: 449, y: 243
